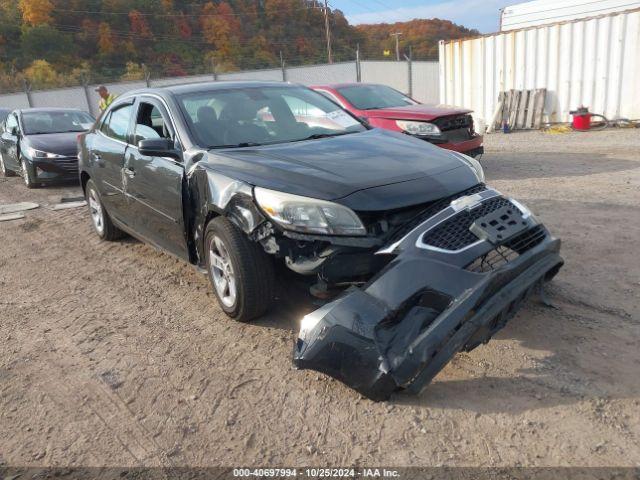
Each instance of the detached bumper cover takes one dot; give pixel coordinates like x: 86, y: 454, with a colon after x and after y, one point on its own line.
x: 429, y: 303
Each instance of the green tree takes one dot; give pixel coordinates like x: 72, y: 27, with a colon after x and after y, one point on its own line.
x: 46, y: 43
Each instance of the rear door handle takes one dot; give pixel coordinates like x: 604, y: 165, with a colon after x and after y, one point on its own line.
x: 129, y: 172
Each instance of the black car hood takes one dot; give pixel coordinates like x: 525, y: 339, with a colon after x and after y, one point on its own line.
x: 58, y: 143
x: 372, y: 170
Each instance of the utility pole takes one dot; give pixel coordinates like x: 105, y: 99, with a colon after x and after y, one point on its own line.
x: 358, y: 72
x: 328, y: 31
x: 397, y: 35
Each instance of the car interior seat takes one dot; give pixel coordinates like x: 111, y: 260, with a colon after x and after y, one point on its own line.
x: 207, y: 126
x: 238, y: 124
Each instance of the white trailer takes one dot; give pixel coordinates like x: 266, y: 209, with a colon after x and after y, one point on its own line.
x: 544, y: 12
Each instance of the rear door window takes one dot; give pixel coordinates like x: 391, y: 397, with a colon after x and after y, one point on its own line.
x: 116, y: 125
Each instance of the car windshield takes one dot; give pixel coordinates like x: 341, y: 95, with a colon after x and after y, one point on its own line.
x: 245, y: 117
x: 57, y: 121
x: 373, y: 97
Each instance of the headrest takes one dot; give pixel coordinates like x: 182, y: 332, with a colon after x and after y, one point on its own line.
x: 207, y: 114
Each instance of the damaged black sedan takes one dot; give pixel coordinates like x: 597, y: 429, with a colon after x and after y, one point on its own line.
x: 415, y: 257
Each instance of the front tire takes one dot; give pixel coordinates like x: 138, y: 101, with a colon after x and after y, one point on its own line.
x: 102, y: 224
x: 27, y: 174
x: 241, y: 273
x: 4, y: 172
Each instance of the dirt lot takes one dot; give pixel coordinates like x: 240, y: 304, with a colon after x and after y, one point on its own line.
x: 114, y: 354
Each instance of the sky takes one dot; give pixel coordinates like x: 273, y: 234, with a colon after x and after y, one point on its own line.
x: 480, y: 14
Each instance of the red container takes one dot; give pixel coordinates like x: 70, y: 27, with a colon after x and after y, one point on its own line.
x: 581, y: 119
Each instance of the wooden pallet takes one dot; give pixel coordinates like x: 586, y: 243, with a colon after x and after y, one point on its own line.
x: 519, y: 109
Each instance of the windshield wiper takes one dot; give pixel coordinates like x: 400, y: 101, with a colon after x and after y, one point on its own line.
x: 236, y: 145
x: 322, y: 135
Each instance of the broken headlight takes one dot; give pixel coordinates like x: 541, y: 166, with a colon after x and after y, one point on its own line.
x: 308, y: 215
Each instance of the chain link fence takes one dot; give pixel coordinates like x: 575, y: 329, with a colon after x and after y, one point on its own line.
x: 418, y: 79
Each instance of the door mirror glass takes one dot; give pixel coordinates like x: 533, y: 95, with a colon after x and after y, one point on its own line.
x: 158, y: 147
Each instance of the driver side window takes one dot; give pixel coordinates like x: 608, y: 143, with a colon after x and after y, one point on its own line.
x: 151, y: 123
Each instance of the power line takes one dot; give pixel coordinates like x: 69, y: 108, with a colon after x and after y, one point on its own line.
x: 366, y: 7
x: 182, y: 14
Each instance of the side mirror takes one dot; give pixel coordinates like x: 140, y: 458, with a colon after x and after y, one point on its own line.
x: 158, y: 147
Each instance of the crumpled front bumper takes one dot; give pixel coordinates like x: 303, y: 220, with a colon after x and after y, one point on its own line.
x: 427, y: 304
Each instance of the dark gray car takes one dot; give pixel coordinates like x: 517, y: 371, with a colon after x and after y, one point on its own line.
x: 424, y: 259
x: 41, y: 144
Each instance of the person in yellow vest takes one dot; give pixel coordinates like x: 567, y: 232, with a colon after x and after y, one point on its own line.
x: 106, y: 98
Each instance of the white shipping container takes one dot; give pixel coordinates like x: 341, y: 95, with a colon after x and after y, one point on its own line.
x: 593, y: 62
x: 544, y: 12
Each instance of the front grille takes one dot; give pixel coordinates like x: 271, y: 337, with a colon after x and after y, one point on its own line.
x: 67, y: 164
x: 454, y: 122
x: 454, y: 233
x: 430, y: 210
x: 456, y: 128
x: 459, y: 135
x: 508, y: 251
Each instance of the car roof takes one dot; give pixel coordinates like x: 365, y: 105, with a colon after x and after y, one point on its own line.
x: 343, y: 85
x: 207, y: 87
x: 49, y: 109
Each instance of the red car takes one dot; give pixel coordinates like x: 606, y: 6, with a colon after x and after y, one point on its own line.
x: 384, y: 107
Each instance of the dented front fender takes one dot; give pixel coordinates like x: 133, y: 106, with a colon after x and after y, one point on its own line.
x: 212, y: 194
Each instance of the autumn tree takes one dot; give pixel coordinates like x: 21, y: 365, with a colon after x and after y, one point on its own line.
x: 36, y: 12
x: 222, y: 29
x: 41, y: 74
x: 134, y: 71
x: 139, y: 25
x: 106, y: 42
x: 110, y: 39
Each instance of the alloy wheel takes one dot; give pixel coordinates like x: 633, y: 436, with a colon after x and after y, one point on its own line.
x: 224, y: 279
x: 95, y: 208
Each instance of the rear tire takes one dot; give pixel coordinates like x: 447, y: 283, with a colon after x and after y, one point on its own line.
x: 102, y: 224
x: 241, y: 273
x: 4, y: 172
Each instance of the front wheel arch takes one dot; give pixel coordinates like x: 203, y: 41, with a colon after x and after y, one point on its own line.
x: 84, y: 178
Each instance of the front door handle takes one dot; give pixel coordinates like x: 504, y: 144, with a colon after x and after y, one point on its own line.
x: 129, y: 172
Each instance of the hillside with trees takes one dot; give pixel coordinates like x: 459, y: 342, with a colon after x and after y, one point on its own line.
x: 421, y: 34
x: 51, y: 43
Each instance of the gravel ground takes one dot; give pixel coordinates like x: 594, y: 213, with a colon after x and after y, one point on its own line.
x: 114, y: 354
